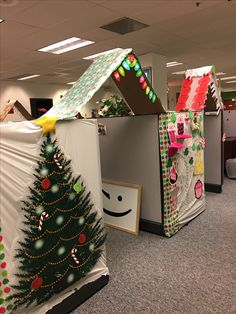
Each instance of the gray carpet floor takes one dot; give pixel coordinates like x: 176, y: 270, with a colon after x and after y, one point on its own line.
x: 192, y: 272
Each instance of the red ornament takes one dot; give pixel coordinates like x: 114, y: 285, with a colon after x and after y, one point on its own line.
x: 45, y: 184
x: 37, y: 282
x: 131, y: 57
x: 82, y: 238
x: 198, y: 189
x: 144, y: 85
x: 117, y: 75
x: 141, y: 79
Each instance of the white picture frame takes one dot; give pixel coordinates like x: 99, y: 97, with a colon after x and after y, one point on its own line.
x: 121, y: 205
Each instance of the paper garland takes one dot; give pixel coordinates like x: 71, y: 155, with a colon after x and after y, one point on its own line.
x: 171, y: 224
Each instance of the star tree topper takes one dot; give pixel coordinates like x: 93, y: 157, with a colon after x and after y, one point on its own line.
x: 47, y: 124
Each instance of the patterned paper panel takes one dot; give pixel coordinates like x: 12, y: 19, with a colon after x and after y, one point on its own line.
x: 194, y: 94
x: 5, y: 303
x: 170, y: 213
x: 87, y: 85
x: 181, y: 146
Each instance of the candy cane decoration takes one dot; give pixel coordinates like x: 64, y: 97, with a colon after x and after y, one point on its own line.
x: 43, y: 217
x: 56, y: 159
x: 73, y: 251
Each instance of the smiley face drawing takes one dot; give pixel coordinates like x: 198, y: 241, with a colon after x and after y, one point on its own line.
x: 120, y: 206
x: 115, y: 214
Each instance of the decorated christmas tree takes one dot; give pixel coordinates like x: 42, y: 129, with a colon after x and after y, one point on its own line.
x: 62, y: 236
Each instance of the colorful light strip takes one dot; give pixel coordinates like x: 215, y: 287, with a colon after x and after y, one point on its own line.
x: 132, y: 62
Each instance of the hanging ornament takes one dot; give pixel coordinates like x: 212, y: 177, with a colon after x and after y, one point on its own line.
x: 81, y: 221
x: 77, y: 187
x: 117, y: 76
x: 131, y: 57
x: 141, y: 79
x: 121, y: 71
x: 133, y: 60
x: 37, y: 283
x: 91, y: 247
x: 72, y: 196
x: 43, y: 217
x: 154, y: 98
x: 144, y: 85
x: 126, y: 65
x: 171, y: 132
x: 56, y: 158
x: 55, y: 188
x: 44, y: 172
x: 39, y: 244
x: 136, y: 67
x: 198, y: 189
x: 147, y: 90
x: 150, y: 95
x: 139, y: 73
x: 73, y: 252
x: 173, y: 175
x: 180, y: 125
x: 198, y: 167
x: 128, y: 61
x: 82, y: 238
x: 49, y: 148
x: 45, y: 184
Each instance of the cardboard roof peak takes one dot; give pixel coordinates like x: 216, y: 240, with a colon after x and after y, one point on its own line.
x: 123, y: 66
x: 10, y: 106
x: 200, y: 90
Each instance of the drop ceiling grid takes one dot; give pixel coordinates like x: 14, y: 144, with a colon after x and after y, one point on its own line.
x: 169, y: 34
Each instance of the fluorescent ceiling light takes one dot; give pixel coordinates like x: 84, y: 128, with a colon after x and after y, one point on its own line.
x: 101, y: 53
x: 1, y: 20
x: 228, y: 78
x: 220, y: 73
x: 71, y: 83
x: 178, y: 73
x: 28, y: 77
x: 66, y: 45
x: 173, y: 64
x: 229, y: 82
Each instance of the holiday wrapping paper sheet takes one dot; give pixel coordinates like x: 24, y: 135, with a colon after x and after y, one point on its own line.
x: 181, y: 147
x: 87, y: 85
x: 19, y: 148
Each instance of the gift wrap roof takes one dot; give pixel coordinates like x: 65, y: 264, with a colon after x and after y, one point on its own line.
x: 129, y: 78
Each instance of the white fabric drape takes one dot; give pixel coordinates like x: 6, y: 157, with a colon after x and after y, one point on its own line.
x: 19, y: 151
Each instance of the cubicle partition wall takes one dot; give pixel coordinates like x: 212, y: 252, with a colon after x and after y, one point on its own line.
x: 214, y: 156
x: 130, y: 153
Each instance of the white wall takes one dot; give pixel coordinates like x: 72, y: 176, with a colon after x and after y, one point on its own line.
x: 159, y: 74
x: 23, y: 91
x: 229, y: 123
